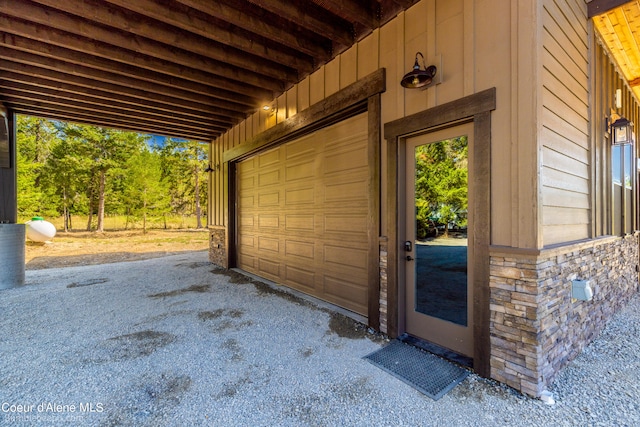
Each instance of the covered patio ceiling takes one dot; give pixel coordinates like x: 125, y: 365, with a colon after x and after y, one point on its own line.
x: 182, y: 68
x: 618, y: 24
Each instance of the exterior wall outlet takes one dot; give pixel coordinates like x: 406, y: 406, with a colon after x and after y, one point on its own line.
x: 581, y: 290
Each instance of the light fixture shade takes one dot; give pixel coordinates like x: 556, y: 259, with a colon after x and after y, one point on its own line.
x: 418, y: 78
x: 622, y: 130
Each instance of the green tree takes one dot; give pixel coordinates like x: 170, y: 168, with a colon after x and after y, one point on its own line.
x: 108, y: 151
x: 35, y: 139
x: 67, y: 174
x: 145, y: 190
x: 183, y: 164
x: 441, y: 183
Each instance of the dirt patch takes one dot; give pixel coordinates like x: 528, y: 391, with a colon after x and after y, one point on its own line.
x: 135, y: 345
x: 200, y: 289
x: 90, y: 248
x: 89, y: 282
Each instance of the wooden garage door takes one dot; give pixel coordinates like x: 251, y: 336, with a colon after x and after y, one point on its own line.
x: 303, y: 214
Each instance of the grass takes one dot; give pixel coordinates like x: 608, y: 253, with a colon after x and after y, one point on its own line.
x: 121, y: 222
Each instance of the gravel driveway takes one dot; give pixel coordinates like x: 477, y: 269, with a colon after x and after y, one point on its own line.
x: 174, y: 341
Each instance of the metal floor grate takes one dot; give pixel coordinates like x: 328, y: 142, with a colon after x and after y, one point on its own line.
x: 424, y: 371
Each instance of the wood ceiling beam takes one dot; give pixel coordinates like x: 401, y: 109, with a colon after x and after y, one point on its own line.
x: 362, y: 12
x: 150, y: 30
x: 108, y: 95
x: 310, y: 18
x: 239, y: 14
x: 16, y: 71
x: 67, y: 103
x: 10, y: 89
x: 598, y: 7
x: 117, y: 79
x: 171, y: 74
x: 131, y: 64
x: 123, y: 44
x: 79, y: 117
x: 245, y: 32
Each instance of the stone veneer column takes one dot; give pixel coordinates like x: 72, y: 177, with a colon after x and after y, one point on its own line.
x: 383, y: 285
x: 536, y: 326
x: 218, y: 246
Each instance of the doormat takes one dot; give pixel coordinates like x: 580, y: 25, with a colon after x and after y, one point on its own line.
x: 423, y: 371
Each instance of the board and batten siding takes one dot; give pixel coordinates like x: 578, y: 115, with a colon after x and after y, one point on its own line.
x: 565, y: 157
x: 476, y: 45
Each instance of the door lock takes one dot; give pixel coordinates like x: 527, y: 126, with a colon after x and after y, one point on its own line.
x: 408, y: 246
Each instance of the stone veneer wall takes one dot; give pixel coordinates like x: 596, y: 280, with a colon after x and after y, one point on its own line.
x: 218, y: 246
x: 383, y: 285
x: 536, y: 327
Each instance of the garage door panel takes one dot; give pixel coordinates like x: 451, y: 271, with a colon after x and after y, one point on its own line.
x: 298, y: 196
x: 269, y: 267
x: 347, y: 161
x: 300, y: 278
x: 268, y: 159
x: 303, y: 214
x: 300, y: 171
x: 301, y: 148
x: 268, y: 178
x: 345, y: 224
x: 300, y: 223
x: 344, y: 257
x: 344, y: 293
x: 304, y: 250
x: 271, y: 244
x: 268, y: 221
x: 345, y: 191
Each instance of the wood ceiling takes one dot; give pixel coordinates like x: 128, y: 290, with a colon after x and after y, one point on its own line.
x: 618, y: 24
x: 184, y: 68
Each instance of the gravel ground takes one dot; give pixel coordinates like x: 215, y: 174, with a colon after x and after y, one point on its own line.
x: 174, y: 341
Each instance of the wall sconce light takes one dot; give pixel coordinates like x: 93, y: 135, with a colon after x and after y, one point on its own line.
x: 419, y: 78
x: 212, y: 169
x: 622, y: 131
x: 270, y: 109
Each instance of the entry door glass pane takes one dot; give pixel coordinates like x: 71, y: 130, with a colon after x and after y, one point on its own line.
x: 441, y: 203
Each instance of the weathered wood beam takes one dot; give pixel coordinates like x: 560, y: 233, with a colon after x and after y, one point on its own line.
x: 598, y: 7
x: 138, y: 66
x: 74, y: 70
x: 80, y: 117
x: 104, y: 96
x: 246, y: 17
x: 309, y: 18
x: 17, y: 72
x: 67, y: 104
x: 130, y: 24
x: 122, y: 43
x: 13, y: 90
x: 249, y: 34
x: 362, y: 12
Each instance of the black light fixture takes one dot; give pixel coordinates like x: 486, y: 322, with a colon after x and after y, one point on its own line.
x: 210, y: 169
x: 419, y: 78
x: 622, y: 131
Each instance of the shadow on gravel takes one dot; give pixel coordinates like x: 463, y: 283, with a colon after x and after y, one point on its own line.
x: 154, y: 398
x: 133, y: 346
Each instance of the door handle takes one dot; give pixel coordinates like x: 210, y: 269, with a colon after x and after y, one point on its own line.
x: 409, y: 258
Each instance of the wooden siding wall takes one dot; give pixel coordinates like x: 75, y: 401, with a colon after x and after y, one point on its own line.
x: 476, y: 45
x: 608, y: 80
x: 564, y: 130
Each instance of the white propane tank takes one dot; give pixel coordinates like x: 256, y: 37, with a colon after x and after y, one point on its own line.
x: 39, y: 230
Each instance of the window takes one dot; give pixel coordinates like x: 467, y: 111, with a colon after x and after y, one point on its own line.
x: 623, y: 183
